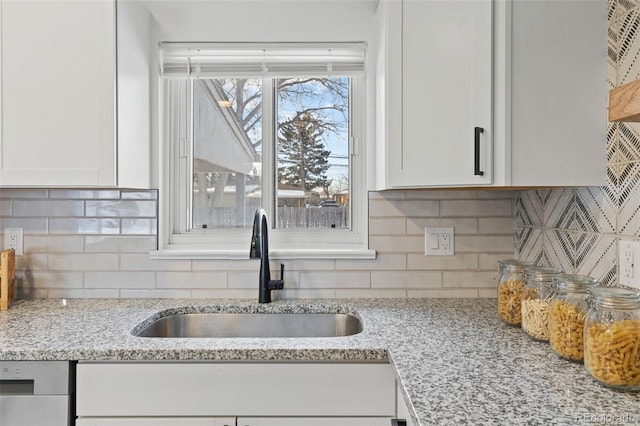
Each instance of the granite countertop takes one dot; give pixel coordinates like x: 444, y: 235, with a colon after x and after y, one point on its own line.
x: 456, y: 361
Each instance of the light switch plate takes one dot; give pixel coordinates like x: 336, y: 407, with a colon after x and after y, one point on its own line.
x: 438, y: 241
x: 629, y: 263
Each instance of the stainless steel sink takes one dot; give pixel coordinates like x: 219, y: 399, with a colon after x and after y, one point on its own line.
x: 253, y: 325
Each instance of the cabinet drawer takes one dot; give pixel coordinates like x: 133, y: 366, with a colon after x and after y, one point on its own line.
x: 231, y: 389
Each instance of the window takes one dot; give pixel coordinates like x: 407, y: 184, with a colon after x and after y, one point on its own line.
x: 272, y: 126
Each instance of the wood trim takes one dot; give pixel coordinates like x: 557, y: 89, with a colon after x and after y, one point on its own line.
x: 624, y: 102
x: 7, y: 278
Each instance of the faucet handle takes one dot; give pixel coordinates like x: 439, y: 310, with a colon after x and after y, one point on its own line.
x: 278, y: 284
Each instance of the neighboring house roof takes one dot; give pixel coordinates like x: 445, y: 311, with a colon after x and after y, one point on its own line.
x: 227, y: 147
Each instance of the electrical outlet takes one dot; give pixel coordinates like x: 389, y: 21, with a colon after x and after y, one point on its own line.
x: 13, y: 240
x: 629, y: 263
x: 438, y: 241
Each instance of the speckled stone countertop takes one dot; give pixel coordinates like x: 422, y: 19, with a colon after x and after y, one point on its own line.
x: 457, y: 362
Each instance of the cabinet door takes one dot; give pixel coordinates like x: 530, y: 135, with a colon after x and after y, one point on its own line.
x: 157, y: 421
x: 310, y: 421
x: 446, y: 94
x: 58, y: 93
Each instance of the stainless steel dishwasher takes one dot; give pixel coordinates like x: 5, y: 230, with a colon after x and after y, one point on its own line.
x: 36, y: 393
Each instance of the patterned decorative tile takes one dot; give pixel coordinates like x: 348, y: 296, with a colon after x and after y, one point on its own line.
x: 616, y: 8
x: 628, y: 47
x: 528, y: 208
x: 559, y: 249
x: 628, y: 222
x: 628, y: 142
x: 596, y: 209
x: 529, y: 244
x: 596, y: 256
x: 612, y: 143
x: 612, y: 55
x: 559, y: 208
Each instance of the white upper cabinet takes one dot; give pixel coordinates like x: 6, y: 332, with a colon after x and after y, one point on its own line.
x: 491, y: 93
x: 58, y: 126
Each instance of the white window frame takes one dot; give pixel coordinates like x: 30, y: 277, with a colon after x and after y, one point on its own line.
x: 175, y: 241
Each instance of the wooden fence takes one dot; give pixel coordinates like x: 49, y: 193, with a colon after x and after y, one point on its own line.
x: 288, y: 217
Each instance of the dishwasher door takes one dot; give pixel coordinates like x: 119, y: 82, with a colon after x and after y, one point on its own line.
x: 35, y: 393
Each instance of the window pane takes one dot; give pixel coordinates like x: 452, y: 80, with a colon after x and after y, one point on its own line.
x: 312, y: 153
x: 227, y: 144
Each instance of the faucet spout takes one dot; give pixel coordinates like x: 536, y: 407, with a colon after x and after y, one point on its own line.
x: 260, y: 250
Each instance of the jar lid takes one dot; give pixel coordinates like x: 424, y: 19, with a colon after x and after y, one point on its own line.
x: 514, y: 264
x: 614, y: 297
x: 573, y: 282
x: 541, y: 273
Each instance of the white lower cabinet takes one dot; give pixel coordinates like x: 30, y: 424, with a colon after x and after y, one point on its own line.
x: 158, y: 421
x: 306, y: 421
x: 256, y: 394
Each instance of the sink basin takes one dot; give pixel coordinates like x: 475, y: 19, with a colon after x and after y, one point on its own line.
x: 253, y: 325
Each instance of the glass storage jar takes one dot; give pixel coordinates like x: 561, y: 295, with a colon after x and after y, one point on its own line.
x: 567, y: 311
x: 612, y: 337
x: 536, y: 295
x: 510, y: 286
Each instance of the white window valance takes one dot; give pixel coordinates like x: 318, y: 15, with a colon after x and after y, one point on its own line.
x: 220, y: 60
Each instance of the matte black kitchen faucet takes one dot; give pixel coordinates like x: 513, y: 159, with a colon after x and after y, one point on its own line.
x: 260, y: 249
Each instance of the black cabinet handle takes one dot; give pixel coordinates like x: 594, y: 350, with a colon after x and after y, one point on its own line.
x: 398, y: 422
x: 476, y: 152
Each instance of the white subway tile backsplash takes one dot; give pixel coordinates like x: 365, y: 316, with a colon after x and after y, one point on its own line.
x: 468, y: 293
x: 47, y: 208
x: 83, y: 294
x: 156, y: 294
x: 83, y: 262
x: 383, y: 261
x: 15, y: 193
x: 490, y: 260
x: 313, y: 293
x: 84, y: 226
x: 346, y: 279
x: 185, y: 280
x: 5, y: 208
x: 397, y: 244
x: 459, y: 261
x: 138, y: 226
x: 32, y: 262
x: 119, y: 244
x: 378, y: 293
x: 479, y: 208
x: 224, y: 294
x: 139, y: 195
x: 141, y: 262
x: 403, y: 208
x: 120, y: 208
x: 496, y: 225
x: 53, y: 244
x: 117, y: 280
x: 415, y: 226
x: 484, y: 244
x: 227, y: 265
x: 96, y: 243
x: 46, y: 279
x: 247, y: 280
x: 406, y: 279
x: 81, y: 194
x: 387, y: 226
x: 29, y: 225
x: 469, y: 279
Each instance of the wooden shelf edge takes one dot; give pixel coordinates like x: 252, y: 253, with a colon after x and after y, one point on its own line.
x: 624, y: 103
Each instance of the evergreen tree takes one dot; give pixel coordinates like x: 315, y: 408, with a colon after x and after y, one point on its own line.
x: 303, y: 154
